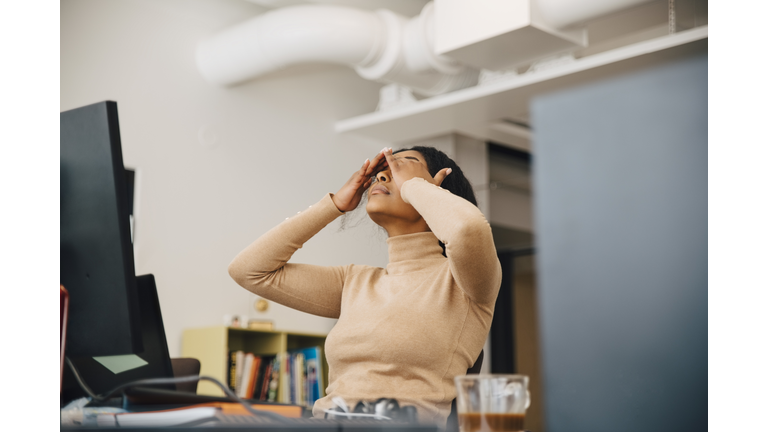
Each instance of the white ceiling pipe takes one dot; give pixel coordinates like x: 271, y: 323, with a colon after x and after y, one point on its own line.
x: 380, y: 45
x: 419, y: 45
x: 288, y: 36
x: 564, y: 13
x: 409, y: 60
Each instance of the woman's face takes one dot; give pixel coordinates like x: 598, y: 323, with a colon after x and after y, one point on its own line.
x: 385, y: 206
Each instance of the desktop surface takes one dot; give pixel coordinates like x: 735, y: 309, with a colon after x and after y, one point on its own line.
x: 245, y: 422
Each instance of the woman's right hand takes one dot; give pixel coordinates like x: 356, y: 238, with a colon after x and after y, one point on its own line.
x: 349, y: 196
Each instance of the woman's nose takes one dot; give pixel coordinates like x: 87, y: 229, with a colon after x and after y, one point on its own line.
x: 382, y: 177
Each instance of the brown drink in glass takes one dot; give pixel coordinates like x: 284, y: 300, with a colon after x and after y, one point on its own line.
x: 492, y: 403
x: 479, y: 422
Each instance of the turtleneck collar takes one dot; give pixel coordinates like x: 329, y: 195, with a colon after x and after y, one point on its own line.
x: 407, y: 252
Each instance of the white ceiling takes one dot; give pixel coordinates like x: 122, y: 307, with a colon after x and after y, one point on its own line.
x: 407, y: 8
x: 606, y: 33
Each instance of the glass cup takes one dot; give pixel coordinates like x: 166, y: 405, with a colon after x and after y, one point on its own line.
x: 492, y: 402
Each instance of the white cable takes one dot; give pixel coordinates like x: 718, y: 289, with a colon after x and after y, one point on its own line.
x: 341, y: 403
x: 338, y: 413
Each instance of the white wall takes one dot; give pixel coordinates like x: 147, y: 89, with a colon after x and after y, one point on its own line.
x: 198, y: 205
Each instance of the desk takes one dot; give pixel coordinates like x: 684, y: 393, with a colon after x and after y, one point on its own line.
x: 215, y: 416
x: 299, y: 426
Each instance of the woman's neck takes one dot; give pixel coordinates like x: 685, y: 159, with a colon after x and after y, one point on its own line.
x: 398, y: 229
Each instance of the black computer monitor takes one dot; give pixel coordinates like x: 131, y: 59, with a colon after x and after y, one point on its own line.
x: 97, y: 266
x: 154, y: 360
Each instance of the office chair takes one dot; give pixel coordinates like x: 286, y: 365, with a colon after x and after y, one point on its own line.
x: 183, y: 367
x: 452, y: 424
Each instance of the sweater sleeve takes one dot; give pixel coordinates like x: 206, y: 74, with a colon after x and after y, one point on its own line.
x: 466, y: 234
x: 262, y: 267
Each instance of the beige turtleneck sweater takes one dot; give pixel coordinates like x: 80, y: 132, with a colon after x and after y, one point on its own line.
x: 403, y: 331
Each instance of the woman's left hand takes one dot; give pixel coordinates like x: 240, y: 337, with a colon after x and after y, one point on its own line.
x: 404, y: 169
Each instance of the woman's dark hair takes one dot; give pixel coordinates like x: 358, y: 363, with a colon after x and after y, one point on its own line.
x: 456, y: 182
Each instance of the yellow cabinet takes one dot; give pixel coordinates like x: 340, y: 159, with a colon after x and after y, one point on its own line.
x: 212, y: 345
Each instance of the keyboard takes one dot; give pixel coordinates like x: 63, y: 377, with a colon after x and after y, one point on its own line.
x: 316, y: 424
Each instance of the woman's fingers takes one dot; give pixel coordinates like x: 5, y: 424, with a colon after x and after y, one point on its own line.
x: 390, y: 158
x: 364, y: 173
x: 365, y: 167
x: 378, y: 163
x: 348, y: 197
x: 381, y: 158
x: 441, y: 175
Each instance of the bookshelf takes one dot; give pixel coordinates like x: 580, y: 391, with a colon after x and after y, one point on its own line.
x: 211, y: 345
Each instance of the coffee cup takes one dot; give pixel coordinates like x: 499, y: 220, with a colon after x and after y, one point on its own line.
x: 496, y: 403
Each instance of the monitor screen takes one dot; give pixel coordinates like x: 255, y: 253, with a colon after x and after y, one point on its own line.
x: 97, y: 266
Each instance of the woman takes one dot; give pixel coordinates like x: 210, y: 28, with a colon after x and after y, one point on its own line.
x: 406, y: 330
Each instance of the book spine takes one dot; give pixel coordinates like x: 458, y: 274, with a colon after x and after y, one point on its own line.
x: 231, y: 370
x: 284, y: 393
x: 297, y: 380
x: 264, y: 395
x: 238, y: 370
x: 312, y: 381
x: 259, y: 378
x: 246, y: 375
x: 253, y: 377
x: 320, y: 373
x: 313, y: 373
x: 300, y: 380
x: 274, y: 381
x: 306, y: 389
x: 291, y: 380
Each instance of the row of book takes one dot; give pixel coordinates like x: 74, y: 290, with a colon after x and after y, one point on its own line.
x: 294, y: 377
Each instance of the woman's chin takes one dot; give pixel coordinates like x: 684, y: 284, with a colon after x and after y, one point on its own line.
x: 373, y: 209
x: 376, y: 212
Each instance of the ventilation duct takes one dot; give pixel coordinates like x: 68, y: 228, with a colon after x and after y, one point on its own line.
x: 565, y: 13
x: 381, y: 46
x: 506, y: 34
x: 431, y: 54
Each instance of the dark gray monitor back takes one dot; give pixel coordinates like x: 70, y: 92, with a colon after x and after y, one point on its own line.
x: 620, y: 175
x: 96, y: 253
x: 155, y: 352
